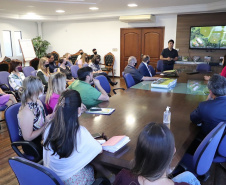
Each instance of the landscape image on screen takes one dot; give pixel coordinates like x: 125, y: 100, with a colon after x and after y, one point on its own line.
x: 210, y: 37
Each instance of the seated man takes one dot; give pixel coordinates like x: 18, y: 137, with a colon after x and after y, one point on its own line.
x: 137, y: 76
x: 143, y: 67
x: 211, y: 112
x: 90, y: 96
x: 94, y: 54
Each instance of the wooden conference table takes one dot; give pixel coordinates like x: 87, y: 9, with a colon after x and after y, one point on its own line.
x: 135, y: 108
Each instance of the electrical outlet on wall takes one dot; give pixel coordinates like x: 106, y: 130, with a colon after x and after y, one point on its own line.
x: 177, y: 49
x: 114, y: 49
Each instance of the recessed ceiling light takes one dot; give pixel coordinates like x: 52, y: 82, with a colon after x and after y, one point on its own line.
x: 132, y: 5
x: 60, y: 11
x: 31, y: 13
x: 93, y: 8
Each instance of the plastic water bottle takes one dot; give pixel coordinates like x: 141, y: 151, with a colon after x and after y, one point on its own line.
x: 167, y: 117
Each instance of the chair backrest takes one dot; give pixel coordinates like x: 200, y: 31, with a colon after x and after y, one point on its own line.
x: 12, y: 122
x: 56, y: 56
x: 109, y: 59
x: 204, y: 154
x: 74, y: 70
x: 85, y: 65
x: 4, y: 79
x: 43, y: 99
x: 104, y: 83
x: 152, y: 70
x: 129, y: 80
x: 3, y: 107
x: 33, y: 73
x: 34, y: 63
x: 5, y: 66
x: 222, y: 147
x: 203, y: 68
x: 160, y: 65
x: 28, y: 173
x: 27, y: 70
x: 123, y: 73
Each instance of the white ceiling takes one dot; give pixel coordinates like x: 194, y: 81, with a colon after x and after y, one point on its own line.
x: 79, y: 9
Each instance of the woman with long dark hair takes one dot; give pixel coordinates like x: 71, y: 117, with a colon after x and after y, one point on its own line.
x: 68, y: 146
x: 153, y: 155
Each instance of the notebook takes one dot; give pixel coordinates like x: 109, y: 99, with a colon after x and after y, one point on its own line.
x: 115, y: 143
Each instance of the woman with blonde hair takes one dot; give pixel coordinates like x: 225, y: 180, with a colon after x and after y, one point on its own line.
x: 31, y: 116
x: 56, y: 85
x: 68, y: 59
x: 84, y: 60
x: 43, y: 71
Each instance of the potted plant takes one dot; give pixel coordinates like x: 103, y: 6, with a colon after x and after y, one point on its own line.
x: 40, y: 46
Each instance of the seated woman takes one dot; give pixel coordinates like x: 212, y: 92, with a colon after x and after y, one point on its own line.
x: 223, y: 72
x: 56, y: 85
x: 84, y: 61
x: 153, y: 155
x: 66, y: 70
x: 6, y: 99
x: 68, y: 59
x: 31, y: 116
x: 97, y: 70
x: 43, y: 71
x: 16, y: 77
x: 68, y: 146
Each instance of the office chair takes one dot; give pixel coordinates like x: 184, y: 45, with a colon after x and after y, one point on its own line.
x: 17, y: 140
x: 30, y: 173
x: 152, y: 70
x: 220, y: 156
x: 27, y: 70
x: 129, y: 80
x: 74, y: 70
x: 200, y: 163
x: 105, y: 85
x: 203, y: 68
x: 33, y: 73
x: 159, y: 66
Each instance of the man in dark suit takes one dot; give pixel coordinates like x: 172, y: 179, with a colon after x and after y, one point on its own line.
x: 213, y: 111
x: 143, y: 67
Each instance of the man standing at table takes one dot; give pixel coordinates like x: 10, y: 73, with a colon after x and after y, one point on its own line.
x: 213, y: 111
x: 169, y: 56
x: 137, y: 76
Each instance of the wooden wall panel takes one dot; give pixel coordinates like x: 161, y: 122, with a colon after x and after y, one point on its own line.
x: 184, y: 22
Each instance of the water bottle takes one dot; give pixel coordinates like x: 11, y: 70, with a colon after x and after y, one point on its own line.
x: 167, y: 116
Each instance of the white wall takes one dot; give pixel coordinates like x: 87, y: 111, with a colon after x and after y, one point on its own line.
x: 70, y: 36
x: 28, y: 29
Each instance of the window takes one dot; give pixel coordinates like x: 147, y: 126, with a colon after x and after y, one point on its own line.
x: 7, y: 41
x: 17, y: 36
x: 0, y: 52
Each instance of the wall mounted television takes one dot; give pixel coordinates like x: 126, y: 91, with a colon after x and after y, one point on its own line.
x: 207, y: 37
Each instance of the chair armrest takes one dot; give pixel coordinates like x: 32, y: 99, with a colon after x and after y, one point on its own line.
x: 101, y: 181
x: 114, y: 90
x: 5, y: 86
x: 31, y: 145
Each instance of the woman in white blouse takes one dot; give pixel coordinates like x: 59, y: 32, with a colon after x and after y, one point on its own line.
x: 68, y: 146
x: 16, y: 77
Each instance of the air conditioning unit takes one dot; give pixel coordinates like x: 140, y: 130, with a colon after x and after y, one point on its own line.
x: 137, y: 18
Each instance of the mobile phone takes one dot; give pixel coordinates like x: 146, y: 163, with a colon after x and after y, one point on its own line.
x: 96, y: 135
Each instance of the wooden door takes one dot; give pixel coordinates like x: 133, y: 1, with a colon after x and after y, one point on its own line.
x: 141, y: 41
x: 152, y: 43
x: 130, y: 46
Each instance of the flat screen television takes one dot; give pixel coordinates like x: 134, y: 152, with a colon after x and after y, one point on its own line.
x: 208, y: 37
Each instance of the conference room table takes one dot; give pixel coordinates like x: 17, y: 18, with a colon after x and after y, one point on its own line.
x: 140, y: 105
